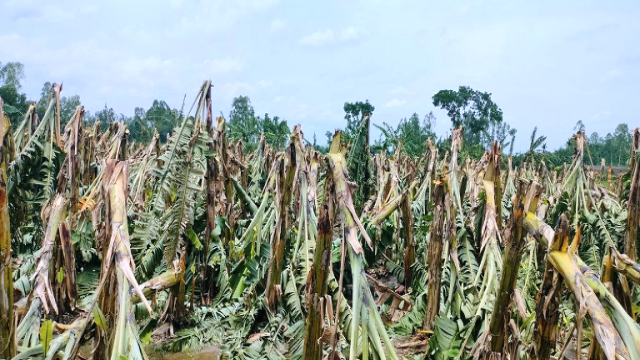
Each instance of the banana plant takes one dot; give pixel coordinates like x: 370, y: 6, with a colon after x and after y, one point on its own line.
x: 121, y: 330
x: 7, y: 347
x: 367, y: 329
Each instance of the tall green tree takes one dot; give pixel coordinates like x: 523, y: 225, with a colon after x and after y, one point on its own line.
x: 139, y: 128
x: 162, y: 117
x: 15, y: 104
x: 11, y: 74
x: 275, y: 130
x: 475, y: 111
x: 105, y: 116
x: 412, y: 132
x: 353, y: 113
x: 621, y: 145
x: 243, y: 123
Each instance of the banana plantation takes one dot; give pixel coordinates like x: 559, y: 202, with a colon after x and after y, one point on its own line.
x: 115, y: 250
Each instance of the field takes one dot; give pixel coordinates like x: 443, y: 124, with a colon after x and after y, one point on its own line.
x: 116, y: 250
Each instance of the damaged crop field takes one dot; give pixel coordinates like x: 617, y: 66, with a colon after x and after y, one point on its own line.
x: 113, y: 249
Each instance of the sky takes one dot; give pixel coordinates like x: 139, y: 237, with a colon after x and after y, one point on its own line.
x: 546, y: 63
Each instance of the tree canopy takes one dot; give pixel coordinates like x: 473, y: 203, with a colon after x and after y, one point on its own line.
x: 11, y: 74
x: 246, y: 126
x: 354, y: 114
x: 614, y: 148
x: 481, y: 118
x: 412, y: 133
x: 15, y: 102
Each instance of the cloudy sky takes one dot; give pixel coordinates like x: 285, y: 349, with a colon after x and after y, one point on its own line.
x: 547, y: 63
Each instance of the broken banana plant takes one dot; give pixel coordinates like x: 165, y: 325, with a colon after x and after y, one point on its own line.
x: 237, y: 249
x: 120, y: 333
x: 316, y: 332
x: 286, y: 171
x: 633, y: 206
x: 622, y: 338
x: 512, y: 256
x: 548, y: 299
x: 434, y: 254
x: 367, y: 329
x: 7, y: 333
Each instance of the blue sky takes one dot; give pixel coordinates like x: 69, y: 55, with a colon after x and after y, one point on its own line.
x: 547, y: 63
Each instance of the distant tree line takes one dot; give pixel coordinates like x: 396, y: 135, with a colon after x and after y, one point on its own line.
x: 243, y: 124
x: 246, y: 126
x: 141, y: 125
x: 480, y: 117
x: 614, y: 148
x: 482, y: 122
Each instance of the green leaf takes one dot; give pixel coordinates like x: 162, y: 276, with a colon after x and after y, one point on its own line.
x: 75, y: 238
x: 99, y: 319
x: 146, y: 339
x: 221, y: 221
x: 46, y: 333
x: 10, y: 110
x: 60, y: 276
x: 194, y: 239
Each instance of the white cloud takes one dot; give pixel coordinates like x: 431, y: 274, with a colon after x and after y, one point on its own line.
x: 395, y: 103
x: 612, y: 75
x: 277, y: 25
x: 349, y: 34
x: 263, y: 84
x: 12, y: 43
x: 326, y: 37
x: 602, y: 115
x: 124, y: 64
x: 318, y: 38
x: 226, y: 13
x: 400, y: 90
x: 300, y: 112
x: 176, y: 4
x: 221, y: 66
x: 230, y: 90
